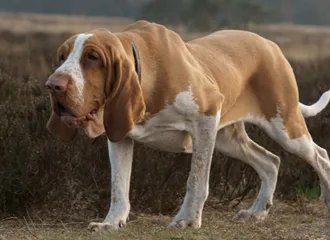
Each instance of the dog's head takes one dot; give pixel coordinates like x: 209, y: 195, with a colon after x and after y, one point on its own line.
x: 95, y: 87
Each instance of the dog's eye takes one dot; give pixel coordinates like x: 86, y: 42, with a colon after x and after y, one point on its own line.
x: 93, y: 56
x: 61, y: 58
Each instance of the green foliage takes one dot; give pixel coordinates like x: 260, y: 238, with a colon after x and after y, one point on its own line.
x: 312, y: 192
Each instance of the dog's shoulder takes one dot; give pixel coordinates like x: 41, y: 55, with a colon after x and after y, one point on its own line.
x: 153, y: 31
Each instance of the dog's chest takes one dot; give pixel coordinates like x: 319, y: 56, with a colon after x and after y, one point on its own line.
x: 165, y: 131
x: 168, y: 129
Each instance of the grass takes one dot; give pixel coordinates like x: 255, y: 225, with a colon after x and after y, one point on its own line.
x: 55, y: 23
x: 312, y: 192
x: 286, y: 221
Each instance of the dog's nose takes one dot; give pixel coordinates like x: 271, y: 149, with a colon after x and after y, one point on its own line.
x: 57, y: 85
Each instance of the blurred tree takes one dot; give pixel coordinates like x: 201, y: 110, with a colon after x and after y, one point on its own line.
x: 165, y: 12
x: 242, y: 12
x: 84, y: 7
x: 299, y: 11
x: 211, y: 13
x: 204, y: 15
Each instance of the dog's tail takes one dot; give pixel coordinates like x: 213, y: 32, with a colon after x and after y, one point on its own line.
x: 312, y: 110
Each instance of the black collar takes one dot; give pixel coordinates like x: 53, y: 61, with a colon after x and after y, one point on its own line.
x: 137, y: 61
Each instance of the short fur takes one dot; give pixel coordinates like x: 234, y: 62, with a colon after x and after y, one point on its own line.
x: 193, y: 97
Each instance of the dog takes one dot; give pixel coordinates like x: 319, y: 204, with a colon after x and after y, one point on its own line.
x: 146, y: 84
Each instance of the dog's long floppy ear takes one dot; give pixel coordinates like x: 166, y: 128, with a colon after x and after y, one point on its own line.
x: 124, y: 105
x: 57, y: 128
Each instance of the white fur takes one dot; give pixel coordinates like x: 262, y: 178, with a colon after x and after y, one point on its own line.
x: 266, y: 164
x: 168, y: 129
x: 185, y: 105
x: 276, y: 130
x: 72, y: 67
x: 121, y: 156
x: 304, y: 147
x: 203, y: 133
x: 317, y: 157
x: 238, y: 145
x: 310, y: 111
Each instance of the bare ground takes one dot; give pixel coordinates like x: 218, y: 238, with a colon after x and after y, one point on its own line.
x: 298, y: 220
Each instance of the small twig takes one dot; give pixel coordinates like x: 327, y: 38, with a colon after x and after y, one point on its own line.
x: 30, y: 219
x: 63, y: 225
x: 9, y: 219
x: 94, y: 179
x: 25, y: 224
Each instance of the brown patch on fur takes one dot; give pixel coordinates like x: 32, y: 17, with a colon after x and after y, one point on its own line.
x: 295, y: 125
x: 124, y: 105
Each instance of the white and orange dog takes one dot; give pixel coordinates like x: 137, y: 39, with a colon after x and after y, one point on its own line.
x: 146, y: 84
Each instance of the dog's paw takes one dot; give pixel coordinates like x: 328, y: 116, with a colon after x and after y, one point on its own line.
x: 182, y: 224
x: 96, y: 226
x: 245, y: 215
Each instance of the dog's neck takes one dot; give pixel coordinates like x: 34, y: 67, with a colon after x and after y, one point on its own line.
x: 136, y: 60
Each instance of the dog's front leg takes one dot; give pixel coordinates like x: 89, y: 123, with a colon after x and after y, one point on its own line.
x: 121, y: 156
x: 203, y: 133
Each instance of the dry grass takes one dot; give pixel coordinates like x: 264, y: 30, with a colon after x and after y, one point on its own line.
x: 299, y: 42
x: 23, y: 23
x: 302, y: 220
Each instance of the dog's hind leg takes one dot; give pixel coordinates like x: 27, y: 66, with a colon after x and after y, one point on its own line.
x: 292, y: 134
x: 233, y: 141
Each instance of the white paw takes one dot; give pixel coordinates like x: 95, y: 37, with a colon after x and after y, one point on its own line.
x: 182, y: 224
x: 95, y: 226
x: 245, y: 215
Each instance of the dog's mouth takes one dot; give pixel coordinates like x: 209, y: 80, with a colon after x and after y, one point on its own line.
x: 69, y: 118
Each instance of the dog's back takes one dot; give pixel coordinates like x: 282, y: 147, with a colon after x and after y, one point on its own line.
x: 249, y: 70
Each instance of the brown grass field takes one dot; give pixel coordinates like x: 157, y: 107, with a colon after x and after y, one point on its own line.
x: 303, y: 221
x: 297, y: 41
x: 49, y: 190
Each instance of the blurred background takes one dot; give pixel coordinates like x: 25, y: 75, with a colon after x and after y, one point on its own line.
x: 298, y: 26
x: 206, y: 12
x: 41, y: 175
